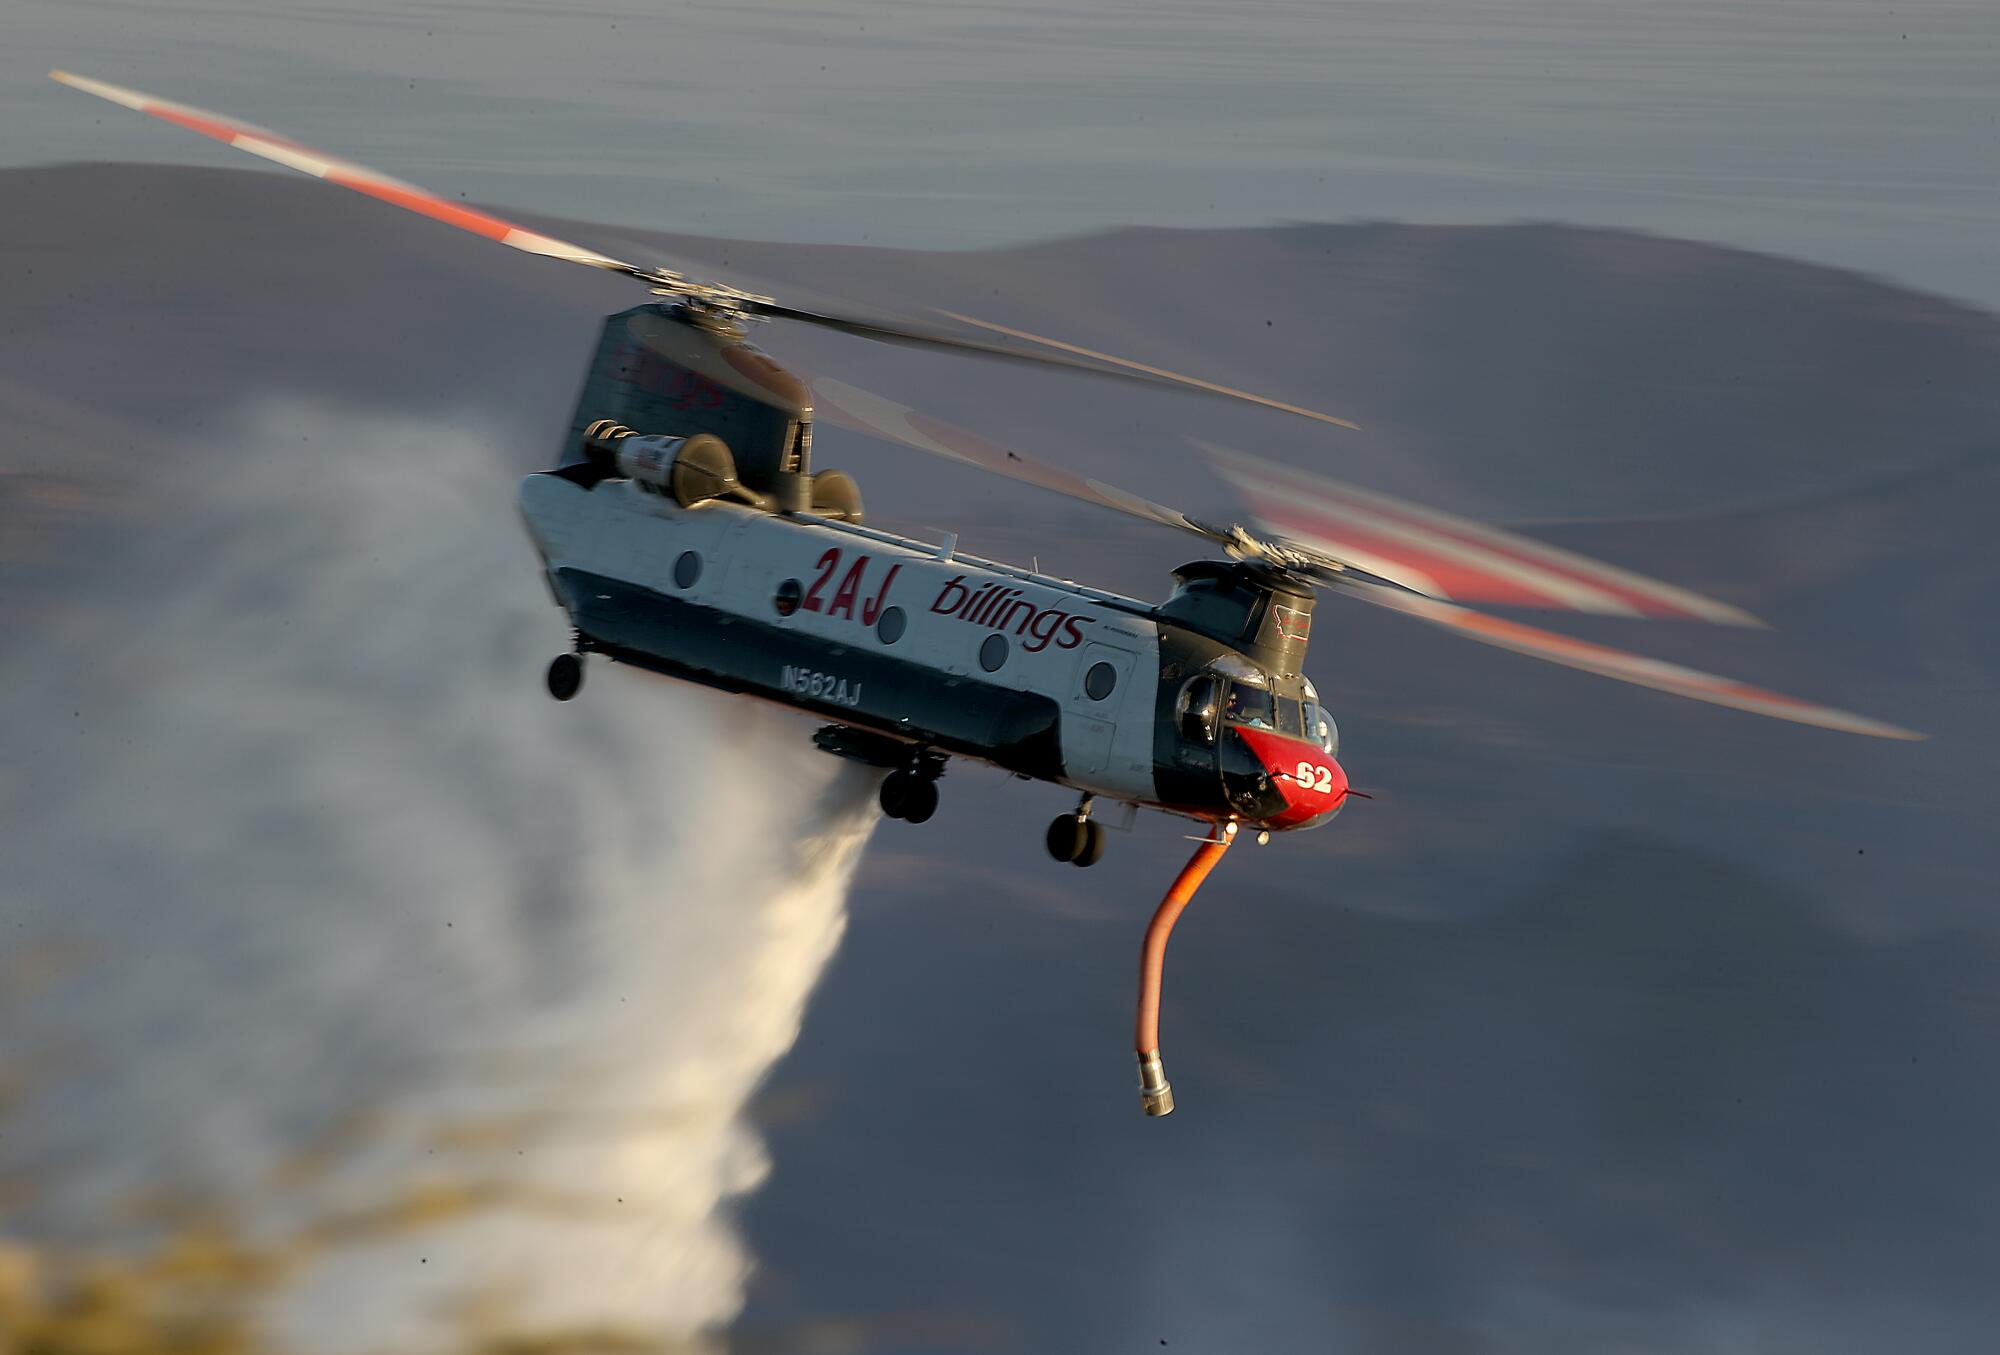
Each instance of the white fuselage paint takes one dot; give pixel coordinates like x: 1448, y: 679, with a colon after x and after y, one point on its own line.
x: 1056, y: 631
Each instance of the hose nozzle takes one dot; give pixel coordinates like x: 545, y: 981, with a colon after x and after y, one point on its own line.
x: 1156, y: 1094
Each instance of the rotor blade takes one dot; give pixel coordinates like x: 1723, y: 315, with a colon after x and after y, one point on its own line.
x: 864, y: 412
x: 1159, y: 374
x: 1447, y: 556
x: 936, y: 341
x: 1616, y: 663
x: 271, y: 146
x: 1331, y: 571
x: 856, y: 409
x: 283, y: 150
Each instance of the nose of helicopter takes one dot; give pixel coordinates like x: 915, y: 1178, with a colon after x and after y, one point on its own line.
x: 1310, y: 781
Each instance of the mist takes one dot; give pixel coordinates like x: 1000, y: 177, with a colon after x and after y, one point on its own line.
x: 328, y: 932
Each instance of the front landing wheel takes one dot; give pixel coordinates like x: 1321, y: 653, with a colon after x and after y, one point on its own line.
x: 1079, y: 842
x: 1093, y: 844
x: 565, y: 676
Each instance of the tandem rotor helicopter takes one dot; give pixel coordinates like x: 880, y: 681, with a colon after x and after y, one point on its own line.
x: 685, y: 531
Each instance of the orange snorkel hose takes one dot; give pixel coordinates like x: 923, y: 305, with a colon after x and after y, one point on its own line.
x: 1156, y: 1094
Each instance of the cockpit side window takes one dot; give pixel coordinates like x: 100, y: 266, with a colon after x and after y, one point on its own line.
x: 1251, y: 706
x: 1195, y: 711
x: 1321, y: 729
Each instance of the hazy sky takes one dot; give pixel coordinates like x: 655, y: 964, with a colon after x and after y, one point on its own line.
x: 1864, y: 134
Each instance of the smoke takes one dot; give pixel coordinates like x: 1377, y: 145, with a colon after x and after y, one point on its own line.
x: 327, y: 922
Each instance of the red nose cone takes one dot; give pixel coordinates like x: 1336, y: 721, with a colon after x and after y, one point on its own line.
x: 1313, y: 785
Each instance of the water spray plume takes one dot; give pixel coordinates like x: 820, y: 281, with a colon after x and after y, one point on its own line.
x: 448, y: 998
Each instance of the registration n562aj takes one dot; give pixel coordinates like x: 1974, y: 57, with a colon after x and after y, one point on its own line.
x: 820, y: 686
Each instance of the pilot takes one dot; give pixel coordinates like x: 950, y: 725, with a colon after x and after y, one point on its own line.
x: 1250, y: 706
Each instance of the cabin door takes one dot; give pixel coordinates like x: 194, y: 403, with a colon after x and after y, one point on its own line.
x: 1090, y: 715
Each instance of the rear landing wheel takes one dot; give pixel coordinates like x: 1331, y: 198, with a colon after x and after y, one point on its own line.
x: 910, y: 797
x: 565, y: 676
x: 896, y: 793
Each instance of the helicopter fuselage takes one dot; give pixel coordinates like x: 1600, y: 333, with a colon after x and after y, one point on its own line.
x: 921, y: 648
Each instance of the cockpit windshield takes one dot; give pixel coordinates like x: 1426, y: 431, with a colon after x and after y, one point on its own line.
x: 1251, y: 706
x: 1291, y: 722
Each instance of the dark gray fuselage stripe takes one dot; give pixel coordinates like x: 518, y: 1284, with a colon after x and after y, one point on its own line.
x: 1015, y: 730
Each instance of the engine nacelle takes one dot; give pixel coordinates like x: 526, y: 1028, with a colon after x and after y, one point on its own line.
x: 697, y: 469
x: 691, y: 470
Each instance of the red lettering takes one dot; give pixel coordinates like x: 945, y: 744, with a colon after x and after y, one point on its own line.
x: 956, y: 585
x: 1042, y: 628
x: 648, y: 378
x: 674, y: 386
x: 850, y: 586
x: 827, y: 564
x: 998, y: 607
x: 873, y: 607
x: 992, y: 604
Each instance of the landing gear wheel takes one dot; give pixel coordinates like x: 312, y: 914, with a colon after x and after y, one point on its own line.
x: 1093, y: 843
x: 565, y: 676
x: 923, y: 801
x: 1067, y: 837
x: 910, y: 792
x: 897, y: 791
x: 909, y: 796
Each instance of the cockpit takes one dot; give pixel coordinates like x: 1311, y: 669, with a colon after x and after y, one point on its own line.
x: 1268, y: 740
x: 1244, y: 714
x: 1232, y: 693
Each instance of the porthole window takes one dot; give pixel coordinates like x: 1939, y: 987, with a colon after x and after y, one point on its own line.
x: 993, y: 653
x: 1099, y: 681
x: 787, y: 598
x: 889, y: 626
x: 687, y: 569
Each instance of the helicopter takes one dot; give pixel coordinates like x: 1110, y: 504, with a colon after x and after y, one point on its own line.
x: 684, y: 530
